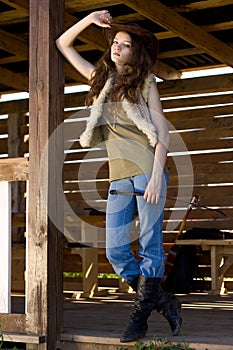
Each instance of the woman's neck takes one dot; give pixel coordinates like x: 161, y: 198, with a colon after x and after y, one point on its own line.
x: 119, y: 68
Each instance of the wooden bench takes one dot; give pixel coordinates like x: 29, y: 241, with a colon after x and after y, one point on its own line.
x: 221, y: 256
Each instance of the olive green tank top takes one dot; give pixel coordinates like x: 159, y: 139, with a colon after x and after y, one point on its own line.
x: 128, y: 148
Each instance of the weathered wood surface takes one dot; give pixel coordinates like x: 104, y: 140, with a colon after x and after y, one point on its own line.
x: 94, y: 323
x: 14, y: 169
x: 14, y: 323
x: 45, y: 207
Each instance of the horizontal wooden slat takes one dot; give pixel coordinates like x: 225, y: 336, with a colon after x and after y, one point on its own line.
x: 197, y: 101
x: 24, y: 338
x: 201, y: 118
x: 101, y: 185
x: 218, y: 223
x: 199, y: 158
x: 4, y: 146
x: 210, y: 138
x: 196, y: 86
x: 14, y: 169
x: 15, y: 323
x: 3, y: 126
x: 85, y: 155
x: 210, y: 158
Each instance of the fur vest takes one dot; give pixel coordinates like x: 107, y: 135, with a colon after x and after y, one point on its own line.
x: 138, y: 113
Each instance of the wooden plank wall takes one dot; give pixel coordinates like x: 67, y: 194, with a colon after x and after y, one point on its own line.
x: 200, y: 125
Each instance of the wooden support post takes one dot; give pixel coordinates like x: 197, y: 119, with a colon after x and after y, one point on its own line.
x: 5, y: 247
x: 44, y: 293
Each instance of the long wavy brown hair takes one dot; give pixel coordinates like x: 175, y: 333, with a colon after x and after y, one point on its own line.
x: 129, y: 83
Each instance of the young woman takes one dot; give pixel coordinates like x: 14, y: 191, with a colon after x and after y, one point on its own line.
x: 127, y: 115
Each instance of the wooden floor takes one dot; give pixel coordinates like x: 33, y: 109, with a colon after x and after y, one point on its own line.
x: 207, y: 320
x: 98, y: 322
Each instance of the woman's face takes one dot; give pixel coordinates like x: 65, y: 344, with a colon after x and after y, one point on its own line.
x: 121, y: 49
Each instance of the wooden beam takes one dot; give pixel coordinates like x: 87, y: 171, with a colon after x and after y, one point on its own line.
x: 45, y: 202
x: 17, y: 81
x: 168, y: 18
x: 11, y: 43
x: 180, y: 53
x: 13, y: 16
x: 22, y: 106
x: 201, y: 5
x: 10, y: 59
x: 19, y: 12
x: 86, y: 5
x: 195, y: 50
x: 165, y: 72
x: 24, y: 338
x: 218, y: 26
x: 196, y: 85
x: 131, y: 17
x: 14, y: 323
x: 209, y: 28
x: 17, y: 4
x: 9, y: 107
x: 14, y: 169
x: 73, y: 74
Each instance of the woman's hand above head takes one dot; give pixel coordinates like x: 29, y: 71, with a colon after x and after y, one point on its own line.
x: 101, y: 18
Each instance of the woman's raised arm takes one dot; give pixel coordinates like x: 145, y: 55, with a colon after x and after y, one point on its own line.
x: 66, y: 40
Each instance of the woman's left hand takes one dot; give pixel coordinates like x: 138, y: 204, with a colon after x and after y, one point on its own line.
x: 153, y: 190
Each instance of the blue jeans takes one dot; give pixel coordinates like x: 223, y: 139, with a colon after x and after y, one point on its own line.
x: 120, y: 214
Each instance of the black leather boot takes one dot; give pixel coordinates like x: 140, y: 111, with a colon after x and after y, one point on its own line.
x: 170, y: 307
x: 134, y: 284
x: 143, y: 306
x: 167, y: 304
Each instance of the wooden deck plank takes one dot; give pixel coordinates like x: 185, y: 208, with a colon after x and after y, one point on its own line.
x: 101, y: 321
